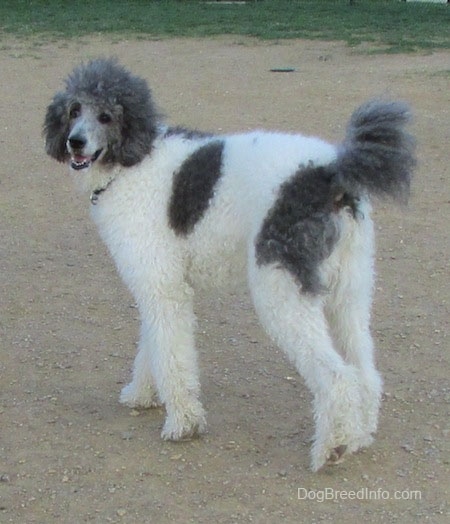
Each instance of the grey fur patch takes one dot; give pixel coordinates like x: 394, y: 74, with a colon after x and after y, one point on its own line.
x: 375, y: 159
x: 193, y: 187
x: 188, y: 134
x: 300, y: 230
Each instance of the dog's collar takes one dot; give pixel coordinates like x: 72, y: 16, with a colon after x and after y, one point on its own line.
x: 97, y: 192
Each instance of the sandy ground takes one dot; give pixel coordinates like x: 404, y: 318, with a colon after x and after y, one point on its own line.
x: 70, y: 453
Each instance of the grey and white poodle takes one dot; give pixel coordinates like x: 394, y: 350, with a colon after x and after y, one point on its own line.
x: 288, y: 214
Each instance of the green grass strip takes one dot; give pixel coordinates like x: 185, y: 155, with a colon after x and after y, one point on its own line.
x: 396, y: 25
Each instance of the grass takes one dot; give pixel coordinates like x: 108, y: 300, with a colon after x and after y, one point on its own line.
x: 395, y: 26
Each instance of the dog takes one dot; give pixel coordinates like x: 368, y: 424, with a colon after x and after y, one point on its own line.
x: 181, y: 209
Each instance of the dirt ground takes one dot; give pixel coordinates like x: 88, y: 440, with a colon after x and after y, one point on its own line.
x: 70, y: 453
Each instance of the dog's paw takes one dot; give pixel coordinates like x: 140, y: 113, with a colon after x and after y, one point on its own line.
x: 362, y: 441
x: 326, y: 454
x: 186, y: 424
x: 144, y: 397
x: 332, y: 452
x: 340, y: 424
x: 336, y: 455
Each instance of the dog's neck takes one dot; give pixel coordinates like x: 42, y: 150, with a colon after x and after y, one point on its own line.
x: 96, y: 180
x: 97, y: 192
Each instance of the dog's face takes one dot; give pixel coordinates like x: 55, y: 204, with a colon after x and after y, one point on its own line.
x: 105, y: 116
x: 94, y: 132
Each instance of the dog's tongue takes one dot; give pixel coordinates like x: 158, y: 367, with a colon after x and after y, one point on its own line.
x: 80, y: 159
x: 80, y: 162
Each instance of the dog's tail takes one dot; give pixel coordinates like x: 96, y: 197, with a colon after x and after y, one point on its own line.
x: 377, y: 155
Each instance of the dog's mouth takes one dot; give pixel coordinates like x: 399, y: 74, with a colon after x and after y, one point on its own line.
x: 79, y: 162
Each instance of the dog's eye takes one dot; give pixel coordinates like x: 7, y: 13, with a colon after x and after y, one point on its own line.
x: 104, y: 118
x: 75, y: 111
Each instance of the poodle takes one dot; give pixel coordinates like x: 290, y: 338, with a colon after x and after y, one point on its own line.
x: 289, y: 214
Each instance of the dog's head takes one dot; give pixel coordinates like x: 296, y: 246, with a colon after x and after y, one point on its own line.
x: 104, y: 115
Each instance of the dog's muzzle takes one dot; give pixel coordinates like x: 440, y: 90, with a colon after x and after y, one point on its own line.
x: 82, y: 162
x: 75, y: 145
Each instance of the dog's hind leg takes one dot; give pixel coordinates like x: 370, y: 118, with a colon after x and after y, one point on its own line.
x: 297, y: 323
x: 347, y: 308
x: 167, y: 353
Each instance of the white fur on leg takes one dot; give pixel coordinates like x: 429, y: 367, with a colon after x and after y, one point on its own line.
x: 171, y: 353
x: 296, y: 322
x: 166, y: 360
x: 141, y: 392
x: 185, y: 423
x: 338, y: 417
x: 134, y: 395
x: 348, y: 303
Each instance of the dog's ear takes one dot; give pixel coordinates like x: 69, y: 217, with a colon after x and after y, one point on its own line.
x: 136, y: 142
x: 56, y: 128
x: 139, y: 122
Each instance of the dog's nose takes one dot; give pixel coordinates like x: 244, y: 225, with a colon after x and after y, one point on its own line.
x: 76, y: 142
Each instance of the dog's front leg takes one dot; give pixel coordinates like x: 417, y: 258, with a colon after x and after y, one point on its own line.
x: 167, y: 359
x: 141, y: 391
